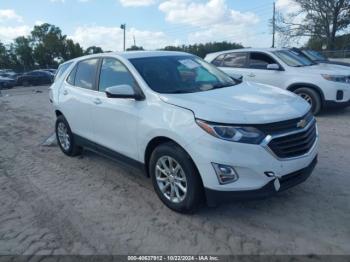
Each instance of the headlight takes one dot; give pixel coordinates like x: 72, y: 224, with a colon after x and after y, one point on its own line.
x: 241, y: 134
x: 337, y: 78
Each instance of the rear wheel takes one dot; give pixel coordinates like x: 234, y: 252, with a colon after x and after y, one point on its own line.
x: 25, y: 83
x: 312, y: 97
x: 175, y: 178
x: 65, y: 138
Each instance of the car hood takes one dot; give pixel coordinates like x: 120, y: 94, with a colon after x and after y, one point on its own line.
x: 335, y: 63
x: 246, y: 103
x: 327, y: 69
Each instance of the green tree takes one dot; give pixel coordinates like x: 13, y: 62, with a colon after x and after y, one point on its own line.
x: 5, y: 60
x: 321, y: 20
x: 49, y: 45
x: 93, y: 50
x: 134, y: 48
x: 24, y: 53
x: 202, y: 50
x: 72, y: 50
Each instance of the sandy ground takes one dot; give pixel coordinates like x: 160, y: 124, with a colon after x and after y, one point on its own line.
x: 53, y: 204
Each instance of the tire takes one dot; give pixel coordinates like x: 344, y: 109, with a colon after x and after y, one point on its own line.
x: 312, y: 97
x: 71, y: 148
x: 25, y: 83
x: 190, y: 178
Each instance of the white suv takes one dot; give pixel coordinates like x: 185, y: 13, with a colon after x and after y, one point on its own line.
x: 322, y: 85
x: 199, y: 134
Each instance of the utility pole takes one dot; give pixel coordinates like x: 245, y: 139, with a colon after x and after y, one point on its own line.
x: 123, y: 26
x: 134, y: 40
x: 273, y: 25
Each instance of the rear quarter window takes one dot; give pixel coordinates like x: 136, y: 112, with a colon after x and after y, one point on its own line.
x: 62, y: 69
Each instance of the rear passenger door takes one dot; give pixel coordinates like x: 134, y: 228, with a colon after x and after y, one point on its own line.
x: 77, y: 97
x: 233, y: 64
x: 116, y: 120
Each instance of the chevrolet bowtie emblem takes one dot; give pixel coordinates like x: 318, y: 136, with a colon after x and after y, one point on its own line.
x: 302, y: 123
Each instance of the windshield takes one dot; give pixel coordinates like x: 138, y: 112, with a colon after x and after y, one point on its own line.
x: 314, y: 55
x: 294, y: 59
x: 180, y: 74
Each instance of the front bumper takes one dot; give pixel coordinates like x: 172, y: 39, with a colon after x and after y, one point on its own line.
x: 287, y: 181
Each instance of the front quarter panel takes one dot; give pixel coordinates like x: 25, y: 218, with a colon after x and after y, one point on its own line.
x: 170, y: 121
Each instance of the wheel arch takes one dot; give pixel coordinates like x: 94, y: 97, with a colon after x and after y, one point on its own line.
x: 58, y: 113
x: 319, y: 91
x: 156, y: 141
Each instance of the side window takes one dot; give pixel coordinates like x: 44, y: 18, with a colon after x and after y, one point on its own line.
x: 235, y: 60
x: 218, y: 61
x: 114, y: 73
x: 85, y: 74
x: 62, y: 69
x: 260, y: 61
x: 71, y: 77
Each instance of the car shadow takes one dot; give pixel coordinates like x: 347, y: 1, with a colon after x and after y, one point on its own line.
x: 334, y: 112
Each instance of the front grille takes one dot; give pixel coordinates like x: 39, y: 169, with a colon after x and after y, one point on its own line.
x: 284, y: 126
x: 295, y: 144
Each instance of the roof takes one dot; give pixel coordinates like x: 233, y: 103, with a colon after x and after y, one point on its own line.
x: 248, y: 50
x: 141, y: 54
x: 131, y: 55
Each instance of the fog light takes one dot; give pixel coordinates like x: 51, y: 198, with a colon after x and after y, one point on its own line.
x: 226, y: 174
x: 340, y: 95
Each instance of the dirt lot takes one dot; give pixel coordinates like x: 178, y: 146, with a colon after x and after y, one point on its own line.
x: 53, y: 204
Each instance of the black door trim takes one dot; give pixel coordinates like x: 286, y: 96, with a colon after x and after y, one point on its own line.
x: 83, y: 142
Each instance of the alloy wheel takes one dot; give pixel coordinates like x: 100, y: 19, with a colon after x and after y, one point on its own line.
x: 63, y: 136
x: 171, y: 179
x: 306, y: 97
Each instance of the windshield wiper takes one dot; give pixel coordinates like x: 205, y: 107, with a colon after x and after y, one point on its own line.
x: 222, y: 85
x: 181, y: 91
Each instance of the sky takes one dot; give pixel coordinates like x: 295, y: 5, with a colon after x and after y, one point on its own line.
x: 152, y: 23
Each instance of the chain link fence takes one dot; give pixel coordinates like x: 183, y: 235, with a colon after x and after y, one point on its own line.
x: 337, y: 54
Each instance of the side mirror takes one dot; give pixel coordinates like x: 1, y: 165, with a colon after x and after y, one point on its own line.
x: 238, y: 78
x: 273, y: 67
x: 122, y: 91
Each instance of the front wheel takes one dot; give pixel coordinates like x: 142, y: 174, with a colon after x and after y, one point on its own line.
x: 175, y: 178
x: 312, y: 97
x: 65, y: 138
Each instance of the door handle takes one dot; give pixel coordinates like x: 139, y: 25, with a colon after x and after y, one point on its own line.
x: 251, y: 75
x: 97, y: 101
x: 65, y: 92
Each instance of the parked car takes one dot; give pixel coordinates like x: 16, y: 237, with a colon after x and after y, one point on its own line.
x: 37, y: 77
x: 318, y: 57
x: 198, y: 133
x: 6, y: 82
x: 321, y: 85
x: 52, y: 71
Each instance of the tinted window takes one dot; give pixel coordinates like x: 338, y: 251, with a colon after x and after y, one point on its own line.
x: 85, y: 74
x: 114, y: 73
x: 62, y: 69
x: 294, y: 59
x: 314, y: 55
x: 218, y: 60
x: 235, y: 60
x: 260, y: 61
x: 71, y: 77
x: 180, y: 74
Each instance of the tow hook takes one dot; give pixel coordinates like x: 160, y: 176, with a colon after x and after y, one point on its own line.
x: 276, y: 182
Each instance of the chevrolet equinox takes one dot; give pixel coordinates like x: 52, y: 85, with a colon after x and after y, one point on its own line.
x: 198, y: 133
